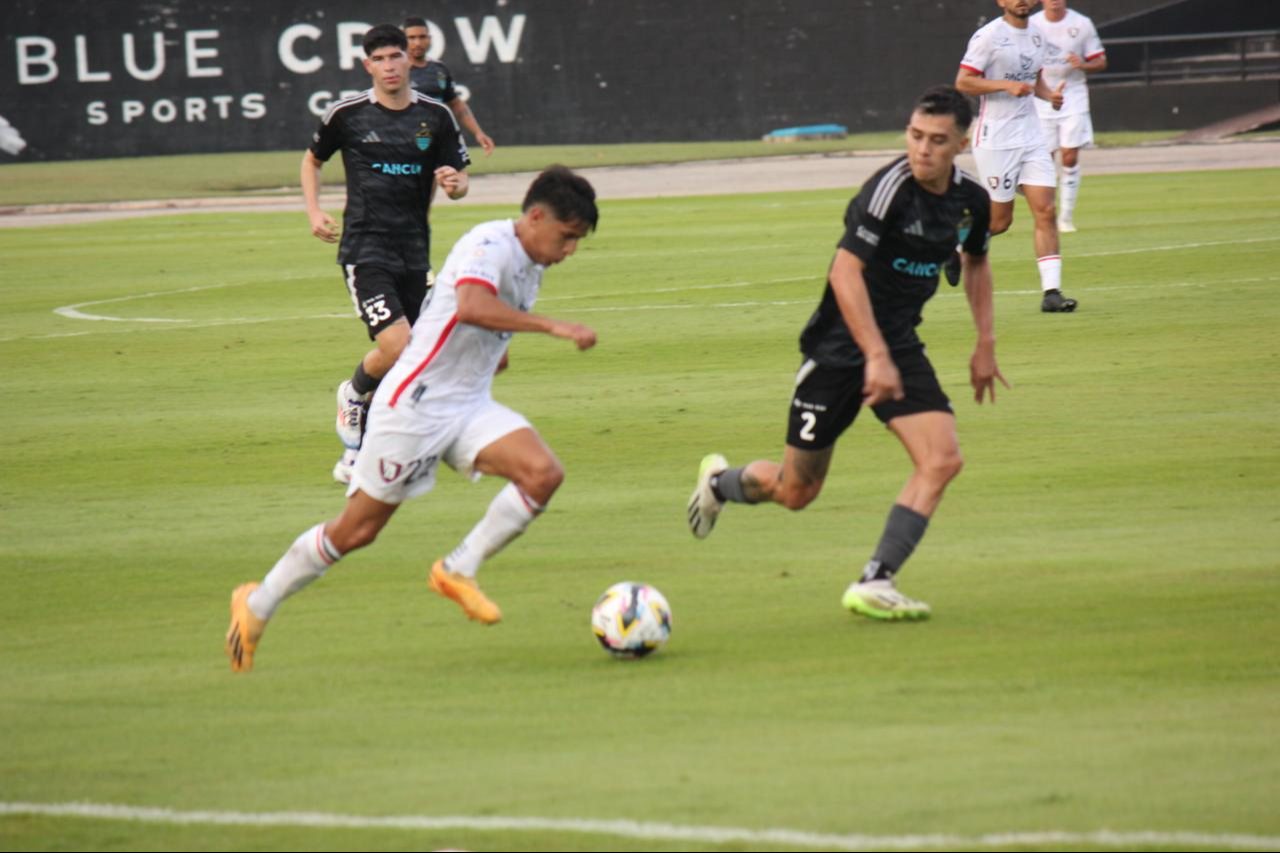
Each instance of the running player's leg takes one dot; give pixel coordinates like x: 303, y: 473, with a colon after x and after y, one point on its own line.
x: 501, y: 443
x: 1069, y: 190
x: 307, y: 559
x: 1038, y: 180
x: 825, y: 403
x: 930, y: 441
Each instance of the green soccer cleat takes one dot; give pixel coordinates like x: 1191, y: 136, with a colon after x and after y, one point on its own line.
x: 704, y: 507
x: 881, y: 600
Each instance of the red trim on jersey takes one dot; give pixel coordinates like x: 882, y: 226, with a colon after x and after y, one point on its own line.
x: 977, y: 71
x: 444, y: 336
x: 1091, y: 57
x: 480, y: 281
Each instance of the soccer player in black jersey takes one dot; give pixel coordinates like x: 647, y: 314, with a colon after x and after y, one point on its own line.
x: 431, y: 77
x: 396, y: 145
x: 861, y: 349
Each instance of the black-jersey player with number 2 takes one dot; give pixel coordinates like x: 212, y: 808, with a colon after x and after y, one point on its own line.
x: 861, y: 349
x: 396, y: 145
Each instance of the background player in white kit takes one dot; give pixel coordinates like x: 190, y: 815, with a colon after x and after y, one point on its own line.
x: 1073, y: 51
x: 1003, y: 65
x: 435, y: 404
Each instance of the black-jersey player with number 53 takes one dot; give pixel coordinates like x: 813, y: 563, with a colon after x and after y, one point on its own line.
x: 861, y: 349
x: 396, y: 145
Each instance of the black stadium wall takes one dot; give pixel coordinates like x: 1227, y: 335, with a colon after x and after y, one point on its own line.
x: 109, y: 79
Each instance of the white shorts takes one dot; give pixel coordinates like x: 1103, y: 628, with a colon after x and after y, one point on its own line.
x: 1003, y: 170
x: 1073, y: 131
x: 401, y: 451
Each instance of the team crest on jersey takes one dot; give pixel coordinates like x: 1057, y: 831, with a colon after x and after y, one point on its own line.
x: 1074, y: 31
x: 389, y: 470
x: 423, y: 137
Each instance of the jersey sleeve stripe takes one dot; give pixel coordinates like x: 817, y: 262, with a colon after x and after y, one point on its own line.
x: 1095, y: 55
x: 886, y: 180
x: 427, y: 99
x: 480, y: 281
x: 883, y: 199
x: 346, y: 102
x: 977, y: 71
x: 435, y: 350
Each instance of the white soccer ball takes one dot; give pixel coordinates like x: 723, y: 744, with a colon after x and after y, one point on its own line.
x: 631, y: 619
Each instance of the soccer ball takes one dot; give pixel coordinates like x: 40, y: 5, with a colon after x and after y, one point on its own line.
x: 631, y: 619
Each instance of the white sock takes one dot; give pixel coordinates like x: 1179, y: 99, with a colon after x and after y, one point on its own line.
x: 1070, y: 188
x: 1050, y: 272
x: 508, y: 515
x: 307, y: 558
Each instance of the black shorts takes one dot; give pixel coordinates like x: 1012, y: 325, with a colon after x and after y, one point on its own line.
x: 827, y: 399
x: 382, y: 296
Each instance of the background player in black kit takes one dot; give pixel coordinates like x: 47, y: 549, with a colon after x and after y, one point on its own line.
x: 861, y: 348
x: 431, y: 77
x: 396, y: 146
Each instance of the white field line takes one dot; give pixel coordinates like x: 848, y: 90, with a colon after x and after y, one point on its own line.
x: 644, y: 830
x: 72, y: 311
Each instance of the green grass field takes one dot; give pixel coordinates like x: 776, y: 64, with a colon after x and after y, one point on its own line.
x: 1105, y: 574
x: 269, y: 172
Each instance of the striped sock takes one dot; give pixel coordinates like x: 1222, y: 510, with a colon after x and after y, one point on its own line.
x: 510, y: 512
x: 306, y: 560
x: 1050, y: 272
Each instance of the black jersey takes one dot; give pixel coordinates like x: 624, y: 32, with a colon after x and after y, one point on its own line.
x: 433, y: 80
x: 904, y: 234
x: 390, y: 157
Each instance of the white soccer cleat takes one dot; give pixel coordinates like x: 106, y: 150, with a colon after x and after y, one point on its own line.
x: 345, y: 465
x: 352, y: 409
x: 704, y: 508
x: 1066, y: 226
x: 882, y: 600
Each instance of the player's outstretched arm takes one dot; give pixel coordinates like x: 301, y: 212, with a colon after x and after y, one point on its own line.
x: 978, y: 287
x: 881, y: 380
x: 323, y: 225
x: 479, y: 306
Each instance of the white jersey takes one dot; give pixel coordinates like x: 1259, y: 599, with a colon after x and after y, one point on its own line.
x: 448, y: 362
x: 1076, y: 34
x: 999, y: 51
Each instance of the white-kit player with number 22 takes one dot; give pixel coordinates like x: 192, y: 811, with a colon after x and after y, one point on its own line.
x: 1073, y: 50
x: 435, y: 405
x: 1003, y: 65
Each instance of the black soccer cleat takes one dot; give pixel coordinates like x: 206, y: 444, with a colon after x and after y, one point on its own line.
x: 1055, y: 303
x: 951, y: 269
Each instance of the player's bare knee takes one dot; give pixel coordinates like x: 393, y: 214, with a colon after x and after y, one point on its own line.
x: 797, y: 497
x: 942, y: 468
x: 541, y: 478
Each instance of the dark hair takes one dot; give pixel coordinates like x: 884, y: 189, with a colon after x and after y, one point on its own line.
x: 384, y: 35
x: 946, y: 101
x: 413, y: 22
x: 569, y: 196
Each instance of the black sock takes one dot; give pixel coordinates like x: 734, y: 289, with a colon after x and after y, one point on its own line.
x: 361, y: 382
x: 902, y: 532
x: 727, y: 486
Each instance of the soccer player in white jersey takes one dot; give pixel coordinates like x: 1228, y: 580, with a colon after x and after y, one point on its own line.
x: 1003, y: 65
x: 436, y: 405
x: 1073, y: 51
